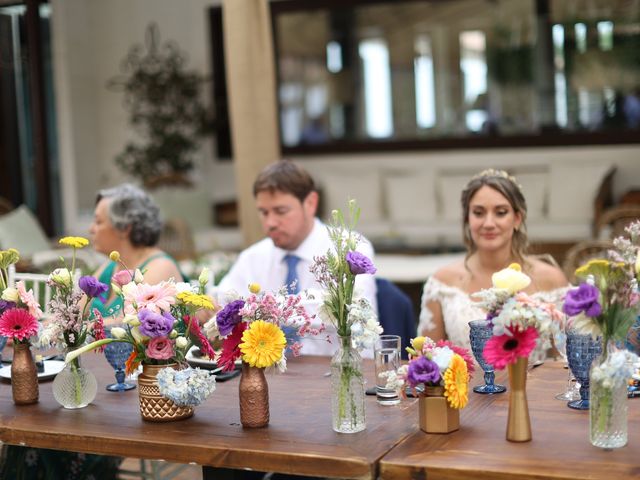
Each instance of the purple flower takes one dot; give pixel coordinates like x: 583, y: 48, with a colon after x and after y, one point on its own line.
x: 154, y: 324
x: 92, y: 286
x: 423, y: 370
x: 359, y: 263
x: 5, y: 305
x: 583, y: 299
x: 229, y: 316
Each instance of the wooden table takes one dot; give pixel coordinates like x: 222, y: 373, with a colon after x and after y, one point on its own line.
x: 560, y: 448
x: 298, y: 440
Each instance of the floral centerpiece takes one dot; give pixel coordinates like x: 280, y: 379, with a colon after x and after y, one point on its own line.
x: 520, y: 323
x: 161, y: 325
x: 354, y: 318
x: 253, y: 329
x: 19, y: 321
x: 605, y: 305
x: 438, y: 373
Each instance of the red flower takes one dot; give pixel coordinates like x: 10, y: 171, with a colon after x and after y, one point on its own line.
x: 132, y: 363
x: 502, y: 350
x: 18, y: 323
x: 98, y: 328
x: 463, y: 352
x: 230, y: 347
x: 194, y: 327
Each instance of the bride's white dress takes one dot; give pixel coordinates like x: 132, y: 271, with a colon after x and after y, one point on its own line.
x: 458, y: 308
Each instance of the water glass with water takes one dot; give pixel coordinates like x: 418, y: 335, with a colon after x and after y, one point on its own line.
x: 386, y: 354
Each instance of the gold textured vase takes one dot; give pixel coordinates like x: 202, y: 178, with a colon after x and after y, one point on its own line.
x: 24, y: 375
x: 153, y: 406
x: 518, y: 424
x: 435, y: 413
x: 254, y: 397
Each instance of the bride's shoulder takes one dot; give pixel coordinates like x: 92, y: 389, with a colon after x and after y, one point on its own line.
x: 451, y: 275
x: 545, y: 275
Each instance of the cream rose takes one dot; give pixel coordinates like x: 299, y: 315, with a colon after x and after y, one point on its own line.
x: 511, y: 279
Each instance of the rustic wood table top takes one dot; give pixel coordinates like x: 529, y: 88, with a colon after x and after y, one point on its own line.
x: 298, y: 440
x: 560, y: 448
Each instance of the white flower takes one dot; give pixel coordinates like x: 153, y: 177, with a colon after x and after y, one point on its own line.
x: 61, y: 276
x: 118, y: 332
x: 10, y: 294
x: 138, y: 277
x: 585, y: 325
x: 211, y: 328
x: 181, y: 342
x: 442, y: 356
x: 173, y: 334
x: 116, y: 288
x: 132, y: 320
x: 183, y: 287
x: 203, y: 279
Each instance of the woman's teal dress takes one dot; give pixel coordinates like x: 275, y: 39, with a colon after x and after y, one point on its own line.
x: 24, y: 463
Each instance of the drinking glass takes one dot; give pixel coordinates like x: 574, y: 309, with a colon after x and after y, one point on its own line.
x: 116, y: 354
x: 571, y: 392
x: 386, y: 355
x: 479, y: 332
x: 581, y: 351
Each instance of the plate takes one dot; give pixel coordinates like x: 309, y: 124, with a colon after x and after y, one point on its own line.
x: 51, y: 369
x: 195, y: 359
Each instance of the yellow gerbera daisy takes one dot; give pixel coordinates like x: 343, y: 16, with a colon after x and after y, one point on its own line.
x: 196, y: 300
x: 74, y: 242
x: 456, y: 383
x: 262, y: 344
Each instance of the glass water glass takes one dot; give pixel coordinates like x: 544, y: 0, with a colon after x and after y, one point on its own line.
x: 386, y: 355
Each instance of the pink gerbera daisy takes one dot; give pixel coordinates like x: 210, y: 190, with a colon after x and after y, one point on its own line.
x: 156, y: 298
x: 502, y: 350
x: 18, y: 323
x: 29, y: 300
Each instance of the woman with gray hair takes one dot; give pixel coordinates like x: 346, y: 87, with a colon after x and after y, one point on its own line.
x: 127, y: 220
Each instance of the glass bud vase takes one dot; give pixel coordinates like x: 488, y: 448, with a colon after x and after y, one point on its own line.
x: 347, y: 389
x: 607, y: 402
x: 75, y: 386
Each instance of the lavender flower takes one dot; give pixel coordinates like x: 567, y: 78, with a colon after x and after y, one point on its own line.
x: 91, y: 286
x: 229, y: 316
x: 155, y: 324
x: 360, y: 263
x: 583, y: 299
x: 5, y: 305
x: 423, y: 370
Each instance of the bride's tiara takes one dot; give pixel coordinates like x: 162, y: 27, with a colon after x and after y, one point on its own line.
x: 492, y: 172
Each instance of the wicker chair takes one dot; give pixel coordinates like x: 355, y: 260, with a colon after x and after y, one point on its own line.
x: 615, y: 219
x: 582, y: 252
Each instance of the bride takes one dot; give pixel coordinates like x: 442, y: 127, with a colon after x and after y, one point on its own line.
x: 494, y: 215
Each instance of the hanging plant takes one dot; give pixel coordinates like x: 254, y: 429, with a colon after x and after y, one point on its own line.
x: 165, y: 108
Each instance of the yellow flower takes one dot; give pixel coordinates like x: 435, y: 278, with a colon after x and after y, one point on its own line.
x: 114, y: 256
x: 74, y: 242
x: 262, y: 344
x: 196, y: 300
x: 456, y: 383
x: 511, y: 279
x: 417, y: 344
x: 254, y: 288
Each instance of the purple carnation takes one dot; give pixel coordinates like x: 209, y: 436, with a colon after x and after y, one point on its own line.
x: 155, y: 324
x: 229, y: 316
x: 423, y: 370
x: 359, y: 263
x: 583, y: 299
x: 92, y: 286
x: 5, y: 305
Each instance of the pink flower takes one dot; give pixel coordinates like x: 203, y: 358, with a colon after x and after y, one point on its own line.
x: 160, y: 348
x: 194, y: 327
x: 502, y: 350
x: 29, y: 300
x: 122, y: 277
x: 463, y: 352
x: 156, y: 298
x: 18, y: 323
x: 98, y: 328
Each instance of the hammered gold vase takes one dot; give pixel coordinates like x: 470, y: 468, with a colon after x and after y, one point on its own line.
x: 153, y: 406
x: 435, y: 413
x: 254, y: 397
x: 24, y: 375
x: 518, y: 423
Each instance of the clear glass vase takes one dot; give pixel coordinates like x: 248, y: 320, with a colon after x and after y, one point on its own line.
x: 607, y: 404
x: 75, y: 386
x: 347, y: 389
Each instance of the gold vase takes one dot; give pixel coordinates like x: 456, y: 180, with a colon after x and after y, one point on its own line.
x: 153, y: 406
x: 254, y: 397
x: 435, y: 413
x: 518, y: 424
x: 24, y: 375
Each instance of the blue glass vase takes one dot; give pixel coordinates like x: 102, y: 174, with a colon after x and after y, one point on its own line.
x: 479, y: 332
x: 582, y: 349
x: 3, y: 342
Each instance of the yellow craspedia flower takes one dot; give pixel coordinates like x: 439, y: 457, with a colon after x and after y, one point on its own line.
x: 196, y: 300
x: 262, y: 344
x: 456, y: 383
x: 515, y: 266
x: 254, y: 288
x: 74, y: 242
x: 114, y: 256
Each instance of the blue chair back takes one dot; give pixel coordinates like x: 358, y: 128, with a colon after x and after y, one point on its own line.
x: 395, y: 312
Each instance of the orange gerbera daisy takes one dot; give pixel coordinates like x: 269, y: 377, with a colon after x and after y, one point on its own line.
x: 456, y: 383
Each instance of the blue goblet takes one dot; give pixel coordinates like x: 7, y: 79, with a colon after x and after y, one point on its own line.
x: 3, y: 342
x: 479, y: 332
x: 116, y: 354
x: 582, y: 349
